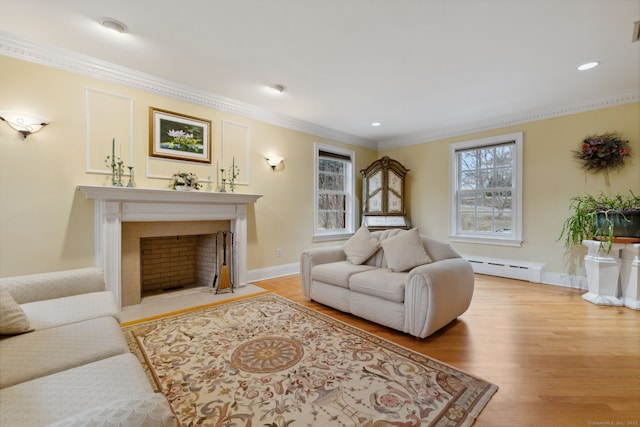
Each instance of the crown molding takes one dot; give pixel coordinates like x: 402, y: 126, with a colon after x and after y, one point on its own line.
x: 54, y: 57
x: 468, y: 128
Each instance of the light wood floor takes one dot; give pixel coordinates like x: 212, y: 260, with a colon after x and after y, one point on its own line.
x: 558, y: 360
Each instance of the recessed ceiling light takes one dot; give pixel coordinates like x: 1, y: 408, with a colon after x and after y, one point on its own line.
x: 278, y: 88
x: 113, y: 25
x: 376, y: 124
x: 588, y: 66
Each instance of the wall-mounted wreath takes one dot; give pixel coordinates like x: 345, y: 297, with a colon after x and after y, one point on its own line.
x: 602, y: 152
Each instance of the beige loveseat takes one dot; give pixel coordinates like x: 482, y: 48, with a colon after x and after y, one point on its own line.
x: 63, y: 357
x: 396, y: 278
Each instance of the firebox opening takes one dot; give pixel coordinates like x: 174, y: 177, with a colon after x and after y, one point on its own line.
x: 172, y: 263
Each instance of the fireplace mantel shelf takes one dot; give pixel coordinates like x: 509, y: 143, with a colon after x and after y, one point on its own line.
x: 160, y: 195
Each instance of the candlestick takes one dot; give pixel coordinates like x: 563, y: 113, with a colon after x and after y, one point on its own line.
x: 233, y: 174
x: 113, y: 162
x: 222, y: 189
x: 131, y: 183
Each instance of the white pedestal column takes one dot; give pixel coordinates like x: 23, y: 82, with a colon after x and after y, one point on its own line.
x: 630, y: 275
x: 603, y: 274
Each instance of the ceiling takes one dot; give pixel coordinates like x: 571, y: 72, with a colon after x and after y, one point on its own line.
x: 424, y: 69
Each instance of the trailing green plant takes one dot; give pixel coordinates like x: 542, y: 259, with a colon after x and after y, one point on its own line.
x: 584, y: 224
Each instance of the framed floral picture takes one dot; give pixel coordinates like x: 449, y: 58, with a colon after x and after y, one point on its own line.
x: 178, y: 136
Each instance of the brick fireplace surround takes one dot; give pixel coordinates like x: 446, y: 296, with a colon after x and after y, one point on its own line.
x: 175, y: 212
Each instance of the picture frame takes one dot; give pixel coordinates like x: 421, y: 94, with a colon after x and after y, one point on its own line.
x: 179, y: 136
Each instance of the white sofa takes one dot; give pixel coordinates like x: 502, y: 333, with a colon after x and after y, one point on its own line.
x: 418, y: 286
x: 63, y: 357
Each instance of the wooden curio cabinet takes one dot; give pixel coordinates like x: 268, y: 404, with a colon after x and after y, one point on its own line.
x: 383, y: 195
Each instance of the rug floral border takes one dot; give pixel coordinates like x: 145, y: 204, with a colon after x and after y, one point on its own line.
x: 135, y: 347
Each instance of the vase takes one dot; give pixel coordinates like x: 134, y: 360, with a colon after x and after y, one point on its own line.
x: 183, y: 188
x: 625, y: 223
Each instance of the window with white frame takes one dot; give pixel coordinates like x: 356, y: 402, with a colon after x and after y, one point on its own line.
x: 486, y: 190
x: 334, y: 191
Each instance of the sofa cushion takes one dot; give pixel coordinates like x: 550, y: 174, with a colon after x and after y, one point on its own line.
x: 380, y: 283
x: 13, y: 320
x: 146, y: 410
x: 62, y: 311
x: 360, y: 246
x: 337, y: 273
x: 52, y: 350
x: 55, y: 397
x: 405, y: 251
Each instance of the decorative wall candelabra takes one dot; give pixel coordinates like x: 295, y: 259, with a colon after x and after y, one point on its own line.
x: 117, y: 168
x: 233, y: 174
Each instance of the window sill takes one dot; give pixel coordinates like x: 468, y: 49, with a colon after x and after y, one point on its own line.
x: 330, y: 237
x: 486, y: 240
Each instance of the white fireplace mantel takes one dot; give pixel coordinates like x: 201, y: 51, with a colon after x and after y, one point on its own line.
x: 115, y: 205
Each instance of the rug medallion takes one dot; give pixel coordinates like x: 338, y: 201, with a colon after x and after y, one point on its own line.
x: 268, y: 361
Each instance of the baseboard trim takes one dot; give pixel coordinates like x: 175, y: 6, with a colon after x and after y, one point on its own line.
x: 565, y: 280
x: 271, y: 272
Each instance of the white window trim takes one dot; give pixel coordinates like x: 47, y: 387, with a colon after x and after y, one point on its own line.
x: 323, y: 235
x: 516, y: 238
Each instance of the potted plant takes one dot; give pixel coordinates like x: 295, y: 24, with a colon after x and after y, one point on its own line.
x: 603, y: 218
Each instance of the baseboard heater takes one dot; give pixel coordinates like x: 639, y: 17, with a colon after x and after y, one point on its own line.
x: 521, y: 270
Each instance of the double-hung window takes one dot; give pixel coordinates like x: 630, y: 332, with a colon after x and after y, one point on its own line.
x: 334, y: 192
x: 486, y: 190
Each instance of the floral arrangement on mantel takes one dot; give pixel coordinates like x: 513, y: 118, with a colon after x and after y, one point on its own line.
x: 184, y: 180
x: 602, y: 152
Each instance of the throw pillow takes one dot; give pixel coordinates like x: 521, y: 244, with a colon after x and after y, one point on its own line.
x: 360, y: 246
x: 13, y: 320
x: 405, y: 251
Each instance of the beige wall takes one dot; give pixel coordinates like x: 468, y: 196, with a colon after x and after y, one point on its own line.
x: 46, y: 225
x: 551, y: 178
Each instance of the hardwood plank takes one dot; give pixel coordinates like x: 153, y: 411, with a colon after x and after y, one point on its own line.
x: 558, y: 359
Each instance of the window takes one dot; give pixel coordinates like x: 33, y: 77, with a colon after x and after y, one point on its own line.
x: 486, y: 191
x: 334, y: 211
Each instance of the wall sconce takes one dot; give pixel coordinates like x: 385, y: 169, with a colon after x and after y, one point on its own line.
x: 26, y: 124
x: 274, y: 160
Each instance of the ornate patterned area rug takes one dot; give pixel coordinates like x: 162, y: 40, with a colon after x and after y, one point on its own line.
x: 268, y: 361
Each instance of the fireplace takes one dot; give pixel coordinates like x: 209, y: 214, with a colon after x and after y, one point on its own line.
x: 124, y: 215
x: 169, y: 263
x: 168, y: 254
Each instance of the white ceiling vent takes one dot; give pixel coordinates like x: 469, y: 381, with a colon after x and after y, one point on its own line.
x: 636, y: 31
